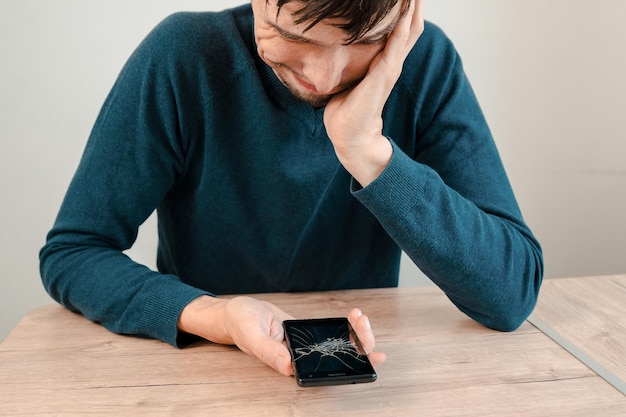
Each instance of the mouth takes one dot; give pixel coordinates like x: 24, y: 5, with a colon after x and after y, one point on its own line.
x: 306, y: 85
x: 298, y: 86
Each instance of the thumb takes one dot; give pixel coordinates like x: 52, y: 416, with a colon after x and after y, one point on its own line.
x: 274, y: 354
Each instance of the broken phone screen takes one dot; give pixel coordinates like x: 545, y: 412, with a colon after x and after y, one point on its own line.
x: 326, y: 352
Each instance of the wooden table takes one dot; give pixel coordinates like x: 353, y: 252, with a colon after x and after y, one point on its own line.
x: 440, y: 363
x: 588, y: 317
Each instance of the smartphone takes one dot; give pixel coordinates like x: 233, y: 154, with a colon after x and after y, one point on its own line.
x: 326, y: 352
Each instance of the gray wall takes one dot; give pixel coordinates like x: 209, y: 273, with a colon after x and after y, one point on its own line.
x: 549, y: 74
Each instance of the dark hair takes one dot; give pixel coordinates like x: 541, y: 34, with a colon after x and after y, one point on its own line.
x: 360, y: 16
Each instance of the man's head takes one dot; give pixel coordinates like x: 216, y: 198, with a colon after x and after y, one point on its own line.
x: 319, y: 48
x: 355, y: 17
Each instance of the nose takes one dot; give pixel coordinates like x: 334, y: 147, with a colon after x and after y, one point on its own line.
x: 324, y: 69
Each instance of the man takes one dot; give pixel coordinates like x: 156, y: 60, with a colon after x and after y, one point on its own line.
x: 293, y: 145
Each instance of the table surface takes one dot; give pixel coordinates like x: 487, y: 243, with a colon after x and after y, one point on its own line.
x: 590, y: 314
x: 440, y: 363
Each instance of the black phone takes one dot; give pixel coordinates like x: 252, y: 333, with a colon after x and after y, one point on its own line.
x: 326, y: 352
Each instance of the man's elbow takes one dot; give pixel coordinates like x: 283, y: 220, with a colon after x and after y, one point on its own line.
x: 508, y: 316
x: 507, y: 321
x: 505, y: 314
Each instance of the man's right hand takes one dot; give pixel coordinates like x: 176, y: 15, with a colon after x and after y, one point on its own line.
x: 256, y: 327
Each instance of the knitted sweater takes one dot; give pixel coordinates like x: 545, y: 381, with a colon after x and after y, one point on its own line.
x: 251, y: 197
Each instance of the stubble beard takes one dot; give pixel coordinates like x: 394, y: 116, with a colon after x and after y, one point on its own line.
x: 314, y: 100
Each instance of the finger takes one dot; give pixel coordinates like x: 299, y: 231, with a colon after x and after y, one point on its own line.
x: 363, y: 329
x: 417, y: 24
x: 376, y: 358
x: 274, y: 354
x: 387, y: 66
x: 405, y: 35
x: 358, y: 322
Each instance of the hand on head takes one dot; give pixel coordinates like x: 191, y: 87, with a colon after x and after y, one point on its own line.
x: 353, y: 118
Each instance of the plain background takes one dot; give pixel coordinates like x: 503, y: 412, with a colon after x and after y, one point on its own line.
x: 548, y: 73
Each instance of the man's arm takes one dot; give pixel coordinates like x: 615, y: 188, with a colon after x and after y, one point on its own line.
x: 448, y: 204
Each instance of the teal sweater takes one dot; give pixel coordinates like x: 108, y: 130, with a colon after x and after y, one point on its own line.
x: 251, y: 197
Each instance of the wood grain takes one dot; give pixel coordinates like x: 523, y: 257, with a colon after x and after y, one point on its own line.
x: 591, y: 314
x: 440, y: 363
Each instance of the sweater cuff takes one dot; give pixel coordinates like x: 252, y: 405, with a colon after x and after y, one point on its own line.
x: 163, y: 308
x: 395, y: 188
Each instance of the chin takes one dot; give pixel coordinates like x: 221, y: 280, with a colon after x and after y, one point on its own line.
x: 312, y: 99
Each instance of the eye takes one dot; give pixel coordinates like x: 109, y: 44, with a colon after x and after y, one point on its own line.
x: 290, y: 37
x: 381, y: 40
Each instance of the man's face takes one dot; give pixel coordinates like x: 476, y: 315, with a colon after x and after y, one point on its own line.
x: 315, y: 64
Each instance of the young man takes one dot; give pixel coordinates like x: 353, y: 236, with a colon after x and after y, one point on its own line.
x: 289, y: 146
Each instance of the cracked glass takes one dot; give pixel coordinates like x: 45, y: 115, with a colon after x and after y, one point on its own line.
x: 327, y: 351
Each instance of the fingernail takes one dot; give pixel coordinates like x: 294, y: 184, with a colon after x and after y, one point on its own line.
x: 367, y: 323
x: 359, y: 313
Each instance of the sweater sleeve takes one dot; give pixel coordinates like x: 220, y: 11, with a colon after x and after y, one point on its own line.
x: 132, y: 158
x: 445, y: 197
